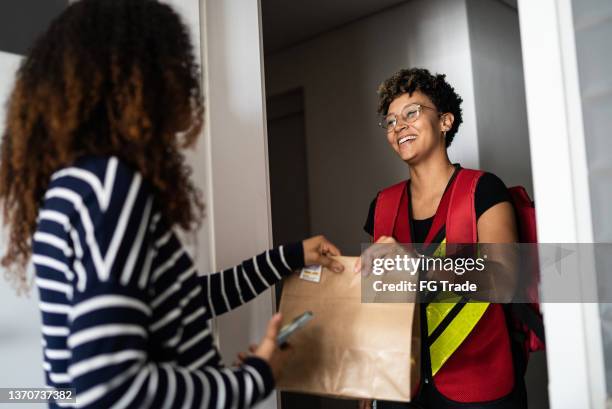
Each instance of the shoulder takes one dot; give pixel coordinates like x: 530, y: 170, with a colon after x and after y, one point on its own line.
x: 490, y: 190
x: 95, y: 182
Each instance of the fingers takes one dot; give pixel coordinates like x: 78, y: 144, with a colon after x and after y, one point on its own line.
x: 357, y: 266
x: 328, y: 247
x: 332, y: 264
x: 274, y: 326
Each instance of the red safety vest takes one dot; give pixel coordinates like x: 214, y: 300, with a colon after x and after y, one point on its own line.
x: 480, y: 367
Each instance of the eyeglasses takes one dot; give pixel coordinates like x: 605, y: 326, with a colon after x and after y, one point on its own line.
x: 409, y: 114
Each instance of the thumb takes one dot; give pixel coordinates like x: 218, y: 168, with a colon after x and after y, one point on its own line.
x: 331, y: 264
x: 274, y: 326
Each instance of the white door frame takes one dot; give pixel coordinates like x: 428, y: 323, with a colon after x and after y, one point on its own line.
x: 236, y: 158
x: 560, y: 176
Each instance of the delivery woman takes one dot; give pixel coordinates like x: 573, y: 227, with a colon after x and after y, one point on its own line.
x: 467, y: 358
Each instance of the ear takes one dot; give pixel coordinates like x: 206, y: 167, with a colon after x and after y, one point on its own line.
x: 446, y: 121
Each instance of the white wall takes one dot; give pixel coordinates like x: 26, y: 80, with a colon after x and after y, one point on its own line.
x: 593, y: 26
x: 349, y: 159
x: 20, y: 338
x: 503, y: 136
x: 237, y: 163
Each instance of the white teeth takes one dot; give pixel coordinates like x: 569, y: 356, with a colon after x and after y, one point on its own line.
x: 406, y: 138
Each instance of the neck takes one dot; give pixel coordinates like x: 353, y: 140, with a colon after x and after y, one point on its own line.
x: 430, y: 175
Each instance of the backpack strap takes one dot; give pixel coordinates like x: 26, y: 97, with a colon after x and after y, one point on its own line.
x: 461, y: 225
x: 389, y: 220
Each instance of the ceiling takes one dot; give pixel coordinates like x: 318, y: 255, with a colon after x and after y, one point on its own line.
x: 287, y: 22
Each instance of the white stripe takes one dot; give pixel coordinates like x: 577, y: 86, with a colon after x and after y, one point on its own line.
x: 81, y: 275
x: 258, y: 379
x: 256, y: 267
x: 54, y: 286
x: 58, y: 353
x: 192, y: 317
x: 146, y: 268
x: 77, y: 243
x: 124, y: 218
x: 172, y: 315
x: 188, y: 389
x: 169, y: 263
x: 272, y: 265
x: 188, y: 344
x: 152, y: 389
x: 90, y: 238
x: 60, y: 378
x: 238, y: 285
x: 53, y: 240
x: 88, y: 177
x: 133, y: 390
x: 281, y: 251
x: 171, y: 392
x: 55, y: 216
x: 210, y: 301
x: 163, y: 296
x: 248, y: 390
x: 128, y: 267
x: 234, y: 385
x: 91, y: 395
x: 196, y: 291
x: 55, y: 331
x: 54, y: 308
x: 108, y: 301
x: 154, y: 220
x: 172, y: 342
x: 109, y: 178
x: 46, y: 261
x: 223, y: 294
x: 104, y: 331
x: 46, y: 366
x: 248, y: 280
x: 202, y: 360
x: 163, y: 239
x: 187, y: 274
x: 96, y: 362
x: 221, y: 394
x: 205, y: 389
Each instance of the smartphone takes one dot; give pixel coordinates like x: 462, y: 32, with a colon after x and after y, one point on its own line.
x: 293, y: 326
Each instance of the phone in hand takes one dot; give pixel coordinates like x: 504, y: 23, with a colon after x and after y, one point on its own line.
x: 293, y: 326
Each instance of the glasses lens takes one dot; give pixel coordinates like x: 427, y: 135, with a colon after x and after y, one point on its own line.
x: 410, y: 113
x: 388, y: 123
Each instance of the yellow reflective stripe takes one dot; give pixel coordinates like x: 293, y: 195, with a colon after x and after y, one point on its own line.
x: 454, y: 335
x: 460, y: 327
x: 436, y: 313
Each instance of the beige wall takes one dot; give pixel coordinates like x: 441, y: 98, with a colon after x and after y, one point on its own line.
x: 348, y: 157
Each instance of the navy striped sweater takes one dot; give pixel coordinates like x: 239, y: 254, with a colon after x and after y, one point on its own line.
x: 125, y: 315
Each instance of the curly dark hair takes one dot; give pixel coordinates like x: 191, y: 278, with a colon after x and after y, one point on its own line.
x: 108, y: 77
x: 440, y: 92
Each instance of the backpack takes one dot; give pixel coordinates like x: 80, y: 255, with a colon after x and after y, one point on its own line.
x: 525, y: 319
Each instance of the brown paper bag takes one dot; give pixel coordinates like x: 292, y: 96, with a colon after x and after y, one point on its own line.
x: 349, y: 349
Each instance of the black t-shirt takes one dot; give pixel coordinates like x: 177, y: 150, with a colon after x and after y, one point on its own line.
x: 490, y: 191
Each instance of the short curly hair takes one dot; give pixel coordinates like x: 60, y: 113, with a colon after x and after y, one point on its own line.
x: 440, y: 92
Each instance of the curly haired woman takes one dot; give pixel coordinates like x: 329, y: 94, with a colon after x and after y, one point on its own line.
x: 92, y: 183
x: 468, y: 358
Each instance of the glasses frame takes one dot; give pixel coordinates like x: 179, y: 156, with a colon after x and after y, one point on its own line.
x: 419, y: 108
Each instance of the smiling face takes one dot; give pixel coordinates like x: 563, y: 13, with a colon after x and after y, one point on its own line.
x: 418, y: 140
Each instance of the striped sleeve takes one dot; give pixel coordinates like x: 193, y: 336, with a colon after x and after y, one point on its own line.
x: 110, y: 365
x: 228, y: 289
x: 113, y: 337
